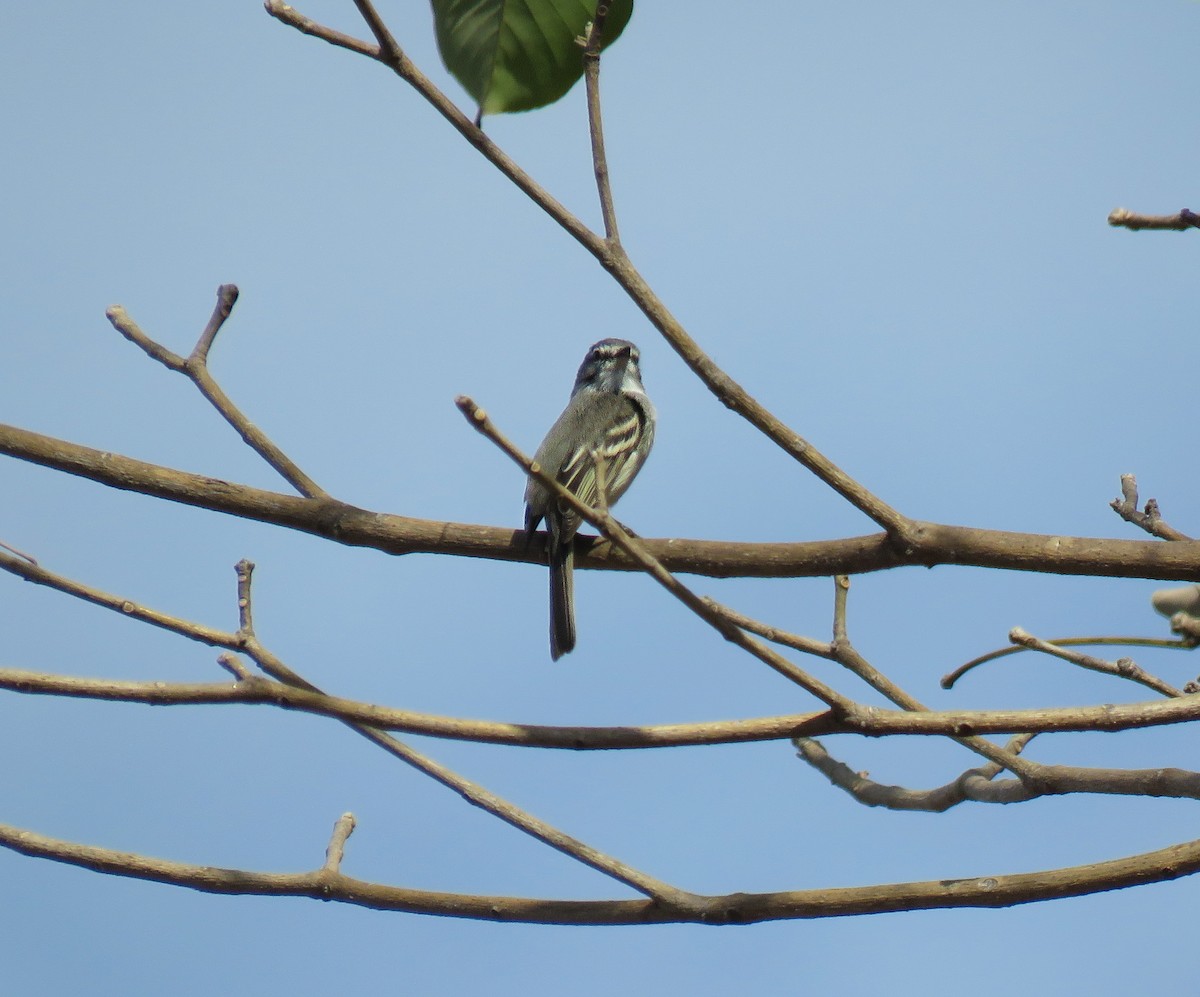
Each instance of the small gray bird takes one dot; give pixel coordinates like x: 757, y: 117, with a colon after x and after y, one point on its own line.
x: 610, y: 413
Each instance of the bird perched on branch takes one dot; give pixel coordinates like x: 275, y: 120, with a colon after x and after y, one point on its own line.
x: 609, y: 414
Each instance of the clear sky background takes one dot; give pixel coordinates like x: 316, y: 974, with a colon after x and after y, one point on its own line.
x: 887, y: 221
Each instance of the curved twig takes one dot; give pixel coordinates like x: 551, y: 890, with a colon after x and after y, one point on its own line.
x: 948, y: 680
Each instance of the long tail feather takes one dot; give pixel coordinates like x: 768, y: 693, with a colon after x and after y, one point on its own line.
x: 562, y: 600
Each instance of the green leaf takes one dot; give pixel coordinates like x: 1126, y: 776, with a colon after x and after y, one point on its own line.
x: 515, y: 55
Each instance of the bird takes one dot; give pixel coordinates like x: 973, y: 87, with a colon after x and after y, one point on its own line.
x: 609, y: 413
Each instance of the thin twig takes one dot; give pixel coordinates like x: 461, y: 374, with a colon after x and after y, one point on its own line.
x: 39, y: 575
x: 18, y: 553
x: 232, y: 664
x: 1052, y: 780
x: 970, y: 785
x: 227, y: 295
x: 1151, y: 519
x: 841, y: 589
x: 1122, y: 668
x: 335, y: 851
x: 1179, y: 222
x: 388, y: 49
x: 591, y: 77
x: 808, y: 645
x: 195, y: 368
x: 950, y: 678
x: 974, y: 784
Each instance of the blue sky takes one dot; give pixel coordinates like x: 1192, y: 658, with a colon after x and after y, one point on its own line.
x: 887, y: 223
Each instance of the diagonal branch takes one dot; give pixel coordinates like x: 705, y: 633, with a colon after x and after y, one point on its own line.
x: 195, y: 368
x: 1123, y: 667
x: 612, y: 531
x: 846, y: 655
x: 472, y: 792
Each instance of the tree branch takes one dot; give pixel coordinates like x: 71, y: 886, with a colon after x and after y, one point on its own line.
x: 350, y: 525
x: 1122, y: 668
x: 613, y: 531
x: 951, y: 678
x: 472, y: 792
x: 1179, y: 222
x: 1151, y: 520
x: 195, y: 368
x: 736, y: 908
x: 591, y: 78
x: 869, y: 721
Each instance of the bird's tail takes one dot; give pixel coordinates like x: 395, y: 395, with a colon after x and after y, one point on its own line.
x: 562, y: 600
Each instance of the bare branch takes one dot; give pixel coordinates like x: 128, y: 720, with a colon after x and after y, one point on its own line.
x: 348, y: 524
x: 35, y: 573
x: 863, y: 720
x: 388, y: 49
x: 195, y: 368
x: 808, y: 645
x: 18, y: 553
x: 1184, y: 219
x: 735, y: 908
x: 1122, y: 668
x: 227, y: 295
x: 975, y: 784
x: 128, y: 328
x: 591, y: 77
x: 250, y: 690
x: 232, y: 664
x: 1151, y: 520
x: 336, y: 850
x: 950, y: 678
